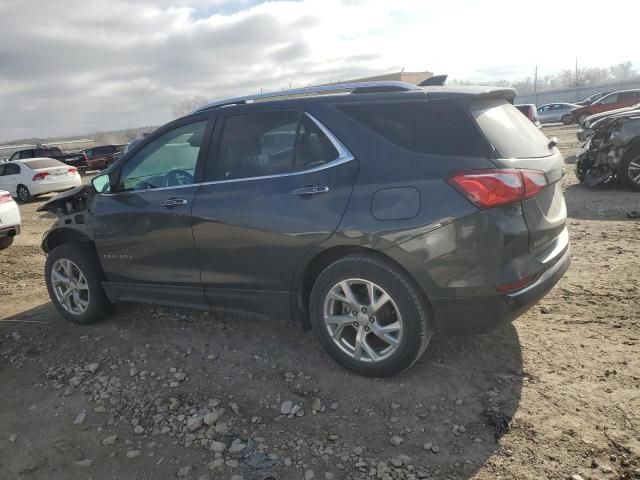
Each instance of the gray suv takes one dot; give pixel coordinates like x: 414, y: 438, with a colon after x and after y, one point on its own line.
x: 375, y: 213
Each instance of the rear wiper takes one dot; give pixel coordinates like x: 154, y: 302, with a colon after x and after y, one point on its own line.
x: 553, y: 141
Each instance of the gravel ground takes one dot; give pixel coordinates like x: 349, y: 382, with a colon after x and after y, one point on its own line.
x: 160, y: 393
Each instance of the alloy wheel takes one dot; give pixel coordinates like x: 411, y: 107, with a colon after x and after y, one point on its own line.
x: 23, y: 194
x: 363, y: 320
x: 633, y: 170
x: 70, y: 286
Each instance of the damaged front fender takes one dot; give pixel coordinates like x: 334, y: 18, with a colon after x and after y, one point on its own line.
x: 68, y: 201
x: 73, y: 210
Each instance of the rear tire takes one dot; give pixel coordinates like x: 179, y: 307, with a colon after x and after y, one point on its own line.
x: 567, y: 119
x: 371, y: 338
x: 5, y: 242
x: 629, y: 169
x: 74, y: 266
x: 23, y: 194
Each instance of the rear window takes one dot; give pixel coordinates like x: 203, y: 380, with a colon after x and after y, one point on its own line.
x: 414, y: 126
x: 511, y: 133
x: 44, y: 163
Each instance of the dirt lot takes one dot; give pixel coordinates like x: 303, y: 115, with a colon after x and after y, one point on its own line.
x: 157, y: 393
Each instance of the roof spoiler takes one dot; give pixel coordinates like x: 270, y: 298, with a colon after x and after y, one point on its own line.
x: 434, y: 80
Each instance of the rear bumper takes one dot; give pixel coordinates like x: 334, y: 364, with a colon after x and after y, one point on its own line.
x: 9, y: 231
x: 468, y: 315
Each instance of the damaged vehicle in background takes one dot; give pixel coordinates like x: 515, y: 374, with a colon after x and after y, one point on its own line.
x: 612, y: 101
x: 612, y: 151
x: 588, y: 122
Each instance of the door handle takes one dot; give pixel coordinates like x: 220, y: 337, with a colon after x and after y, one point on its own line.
x: 173, y: 202
x: 310, y: 190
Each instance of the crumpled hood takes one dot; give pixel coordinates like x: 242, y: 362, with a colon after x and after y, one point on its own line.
x: 83, y: 192
x: 621, y: 115
x: 599, y: 116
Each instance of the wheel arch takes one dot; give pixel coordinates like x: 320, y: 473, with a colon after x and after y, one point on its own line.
x: 326, y: 257
x: 58, y: 236
x: 633, y: 145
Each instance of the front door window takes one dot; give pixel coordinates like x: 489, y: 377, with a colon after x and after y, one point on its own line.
x: 168, y: 161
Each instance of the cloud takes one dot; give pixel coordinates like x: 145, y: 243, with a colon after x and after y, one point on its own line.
x: 74, y: 67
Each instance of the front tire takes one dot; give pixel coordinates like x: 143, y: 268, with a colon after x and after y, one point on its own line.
x: 74, y: 281
x: 629, y: 169
x: 23, y: 193
x: 369, y: 316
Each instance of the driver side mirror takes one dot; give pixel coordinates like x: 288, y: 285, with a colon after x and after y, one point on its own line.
x: 104, y: 183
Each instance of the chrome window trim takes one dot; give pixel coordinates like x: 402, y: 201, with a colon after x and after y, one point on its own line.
x: 344, y: 156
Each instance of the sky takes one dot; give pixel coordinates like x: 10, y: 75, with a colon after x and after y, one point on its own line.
x: 70, y: 67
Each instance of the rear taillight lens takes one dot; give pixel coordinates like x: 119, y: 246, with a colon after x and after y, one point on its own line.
x: 532, y: 116
x: 40, y: 176
x: 517, y: 285
x: 492, y: 188
x: 72, y: 170
x: 5, y: 197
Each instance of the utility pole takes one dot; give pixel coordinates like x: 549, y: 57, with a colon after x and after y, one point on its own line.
x: 576, y: 77
x: 535, y: 86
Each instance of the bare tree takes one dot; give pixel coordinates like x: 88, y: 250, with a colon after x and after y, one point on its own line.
x: 566, y: 78
x: 582, y: 76
x: 188, y: 105
x: 622, y: 71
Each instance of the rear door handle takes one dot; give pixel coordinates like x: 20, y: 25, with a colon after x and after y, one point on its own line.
x: 310, y: 190
x: 173, y: 202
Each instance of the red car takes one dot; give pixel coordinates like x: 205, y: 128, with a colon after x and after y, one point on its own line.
x: 619, y: 99
x: 99, y: 158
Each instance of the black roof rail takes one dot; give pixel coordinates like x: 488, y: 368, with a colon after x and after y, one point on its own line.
x: 354, y: 87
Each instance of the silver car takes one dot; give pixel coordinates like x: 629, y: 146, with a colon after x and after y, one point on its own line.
x: 556, y: 112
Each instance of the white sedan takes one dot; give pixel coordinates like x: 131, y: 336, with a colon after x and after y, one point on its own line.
x: 9, y: 219
x: 25, y: 179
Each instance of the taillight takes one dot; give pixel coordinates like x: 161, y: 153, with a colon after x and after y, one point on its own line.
x: 517, y: 285
x: 5, y: 197
x: 492, y: 188
x: 72, y: 170
x: 40, y: 176
x: 532, y: 116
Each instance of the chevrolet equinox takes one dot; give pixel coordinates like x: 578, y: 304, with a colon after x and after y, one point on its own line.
x: 375, y: 213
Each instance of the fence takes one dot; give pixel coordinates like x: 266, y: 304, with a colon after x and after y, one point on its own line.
x: 575, y: 94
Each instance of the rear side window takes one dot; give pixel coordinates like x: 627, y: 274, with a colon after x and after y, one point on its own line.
x: 414, y: 126
x: 11, y: 169
x: 511, y: 133
x: 314, y: 148
x: 257, y: 144
x: 627, y: 97
x: 44, y: 163
x: 271, y: 143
